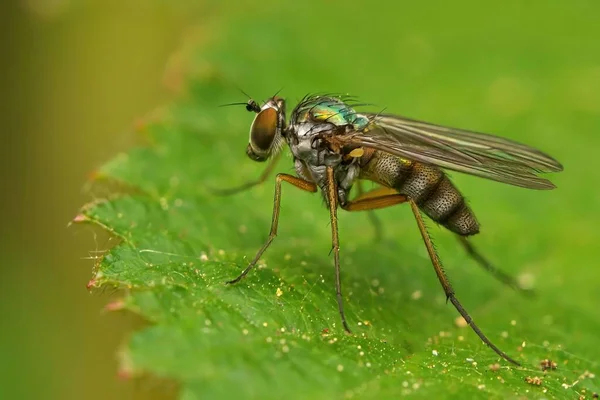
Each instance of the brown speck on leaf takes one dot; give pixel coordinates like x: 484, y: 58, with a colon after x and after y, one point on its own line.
x: 534, y: 381
x: 325, y: 331
x: 548, y: 364
x: 595, y: 395
x: 586, y: 375
x: 494, y: 367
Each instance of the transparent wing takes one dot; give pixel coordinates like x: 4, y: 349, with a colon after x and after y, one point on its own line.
x: 464, y: 151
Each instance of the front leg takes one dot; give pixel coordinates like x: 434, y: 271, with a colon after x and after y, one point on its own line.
x: 299, y: 183
x: 250, y: 184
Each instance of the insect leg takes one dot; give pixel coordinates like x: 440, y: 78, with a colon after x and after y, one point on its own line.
x: 496, y: 273
x: 335, y: 241
x: 439, y: 270
x: 370, y: 214
x: 245, y: 186
x: 299, y: 183
x: 373, y: 200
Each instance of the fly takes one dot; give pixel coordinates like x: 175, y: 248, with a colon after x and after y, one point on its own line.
x: 334, y: 147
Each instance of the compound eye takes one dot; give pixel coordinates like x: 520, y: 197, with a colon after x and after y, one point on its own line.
x: 262, y: 134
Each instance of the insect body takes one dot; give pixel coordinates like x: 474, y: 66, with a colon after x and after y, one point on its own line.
x: 334, y: 147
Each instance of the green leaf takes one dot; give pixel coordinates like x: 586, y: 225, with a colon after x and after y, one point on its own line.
x: 277, y: 334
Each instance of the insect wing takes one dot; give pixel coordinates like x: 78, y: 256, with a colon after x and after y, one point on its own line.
x: 473, y: 153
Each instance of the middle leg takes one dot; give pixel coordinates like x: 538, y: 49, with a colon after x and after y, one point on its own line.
x: 375, y: 221
x: 332, y: 199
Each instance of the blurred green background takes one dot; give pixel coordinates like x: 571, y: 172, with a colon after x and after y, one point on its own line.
x: 76, y: 76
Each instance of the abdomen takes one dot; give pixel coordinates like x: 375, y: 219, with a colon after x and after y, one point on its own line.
x: 428, y: 186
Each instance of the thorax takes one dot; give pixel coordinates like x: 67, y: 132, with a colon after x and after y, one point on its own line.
x: 310, y: 121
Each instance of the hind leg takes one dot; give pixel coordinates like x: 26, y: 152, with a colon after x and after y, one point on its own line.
x: 486, y: 265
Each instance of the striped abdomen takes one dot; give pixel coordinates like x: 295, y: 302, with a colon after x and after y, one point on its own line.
x: 426, y: 185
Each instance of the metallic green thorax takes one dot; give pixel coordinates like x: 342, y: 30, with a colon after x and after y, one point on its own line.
x: 332, y: 110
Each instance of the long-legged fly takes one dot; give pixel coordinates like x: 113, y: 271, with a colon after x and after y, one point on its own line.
x: 334, y: 147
